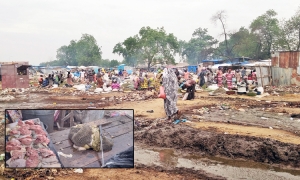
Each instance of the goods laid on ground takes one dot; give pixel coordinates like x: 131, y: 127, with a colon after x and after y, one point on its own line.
x: 27, y: 145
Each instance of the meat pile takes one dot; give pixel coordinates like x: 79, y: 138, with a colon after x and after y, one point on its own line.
x: 28, y: 146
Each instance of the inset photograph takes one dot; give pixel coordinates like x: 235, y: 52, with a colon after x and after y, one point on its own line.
x: 69, y: 138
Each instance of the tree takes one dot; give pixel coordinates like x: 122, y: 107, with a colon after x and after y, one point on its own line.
x: 85, y: 52
x: 150, y: 46
x: 243, y: 43
x: 290, y: 33
x: 181, y: 47
x: 104, y: 63
x: 88, y: 52
x: 114, y: 63
x: 129, y: 49
x: 227, y: 52
x: 67, y: 54
x: 266, y: 27
x: 200, y: 47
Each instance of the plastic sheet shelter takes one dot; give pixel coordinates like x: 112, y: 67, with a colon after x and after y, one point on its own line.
x: 15, y: 75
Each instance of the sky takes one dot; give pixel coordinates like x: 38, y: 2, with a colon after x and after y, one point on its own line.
x: 33, y: 30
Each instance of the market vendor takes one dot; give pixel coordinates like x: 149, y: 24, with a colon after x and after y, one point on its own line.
x: 144, y: 82
x: 115, y: 84
x: 45, y: 82
x: 99, y: 80
x: 136, y: 81
x: 189, y: 85
x: 229, y: 75
x: 69, y: 80
x: 41, y: 79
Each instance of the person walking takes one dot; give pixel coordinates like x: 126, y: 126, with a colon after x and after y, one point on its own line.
x: 170, y: 84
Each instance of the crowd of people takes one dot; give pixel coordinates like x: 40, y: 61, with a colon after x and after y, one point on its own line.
x: 227, y: 78
x: 173, y: 80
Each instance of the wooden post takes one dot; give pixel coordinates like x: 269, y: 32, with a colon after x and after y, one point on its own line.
x: 270, y: 76
x: 261, y: 76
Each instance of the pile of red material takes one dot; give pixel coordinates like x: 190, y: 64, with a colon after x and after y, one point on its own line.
x: 28, y: 146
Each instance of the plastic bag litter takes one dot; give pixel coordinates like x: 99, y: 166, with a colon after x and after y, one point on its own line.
x: 80, y: 87
x: 98, y: 90
x: 79, y: 170
x: 213, y: 87
x: 121, y: 160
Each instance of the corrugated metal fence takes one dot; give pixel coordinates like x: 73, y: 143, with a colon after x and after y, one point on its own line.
x: 281, y: 76
x: 263, y: 74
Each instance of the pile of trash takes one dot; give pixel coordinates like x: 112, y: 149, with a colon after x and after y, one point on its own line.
x: 6, y: 97
x: 218, y: 91
x: 140, y: 95
x: 289, y: 89
x: 14, y: 91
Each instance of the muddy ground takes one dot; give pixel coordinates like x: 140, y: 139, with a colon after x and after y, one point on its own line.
x: 228, y: 126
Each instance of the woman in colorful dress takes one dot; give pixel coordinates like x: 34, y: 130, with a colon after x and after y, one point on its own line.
x: 220, y: 77
x: 158, y: 80
x: 99, y: 80
x: 144, y: 82
x: 229, y: 77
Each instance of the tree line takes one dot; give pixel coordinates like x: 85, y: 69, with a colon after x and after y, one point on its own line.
x: 264, y: 35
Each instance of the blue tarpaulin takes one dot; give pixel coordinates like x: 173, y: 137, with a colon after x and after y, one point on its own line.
x: 192, y: 69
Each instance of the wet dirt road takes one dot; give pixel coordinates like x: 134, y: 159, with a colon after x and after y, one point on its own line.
x: 222, y: 127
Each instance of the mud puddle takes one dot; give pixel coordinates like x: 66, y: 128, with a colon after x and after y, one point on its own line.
x: 227, y: 168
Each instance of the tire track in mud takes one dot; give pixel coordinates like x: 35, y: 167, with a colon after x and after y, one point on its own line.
x: 234, y: 146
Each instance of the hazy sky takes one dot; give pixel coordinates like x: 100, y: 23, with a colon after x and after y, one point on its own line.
x: 33, y: 30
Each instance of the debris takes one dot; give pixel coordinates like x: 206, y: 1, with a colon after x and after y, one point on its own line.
x: 242, y: 110
x: 197, y: 117
x: 6, y: 98
x: 150, y: 111
x: 270, y: 127
x: 264, y: 118
x: 178, y: 121
x: 64, y: 155
x: 79, y: 170
x: 2, y: 157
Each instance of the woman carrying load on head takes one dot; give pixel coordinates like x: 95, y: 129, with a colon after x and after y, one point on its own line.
x: 170, y: 84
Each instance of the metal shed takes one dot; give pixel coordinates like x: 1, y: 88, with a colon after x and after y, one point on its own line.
x: 286, y: 68
x: 15, y: 75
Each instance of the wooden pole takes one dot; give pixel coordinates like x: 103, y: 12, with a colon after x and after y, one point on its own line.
x: 270, y: 76
x: 261, y: 76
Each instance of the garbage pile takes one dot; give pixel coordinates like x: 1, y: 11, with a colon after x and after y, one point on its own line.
x: 139, y: 95
x: 286, y: 89
x: 218, y: 91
